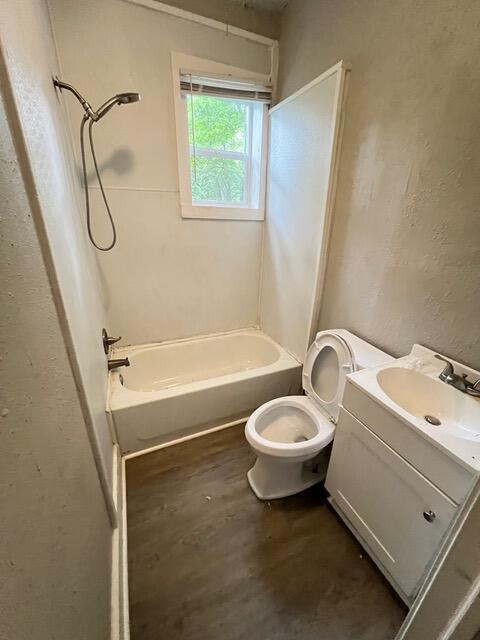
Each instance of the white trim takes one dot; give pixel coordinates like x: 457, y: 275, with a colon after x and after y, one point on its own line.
x: 329, y: 200
x: 472, y: 595
x: 336, y: 67
x: 264, y: 196
x: 125, y: 599
x: 115, y: 613
x: 192, y: 436
x: 214, y: 212
x: 123, y: 188
x: 228, y: 29
x: 274, y: 57
x: 120, y: 627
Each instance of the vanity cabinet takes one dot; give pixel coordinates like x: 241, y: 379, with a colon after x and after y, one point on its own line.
x: 394, y: 510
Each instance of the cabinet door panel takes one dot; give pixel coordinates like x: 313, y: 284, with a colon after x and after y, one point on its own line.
x: 385, y: 499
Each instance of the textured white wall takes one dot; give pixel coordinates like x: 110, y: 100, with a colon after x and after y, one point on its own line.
x: 404, y: 261
x: 55, y: 534
x: 168, y: 277
x: 31, y: 63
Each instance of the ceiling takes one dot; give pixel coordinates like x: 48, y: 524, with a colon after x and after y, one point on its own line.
x: 269, y: 5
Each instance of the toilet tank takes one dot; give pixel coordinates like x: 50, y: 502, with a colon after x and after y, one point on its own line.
x: 366, y: 356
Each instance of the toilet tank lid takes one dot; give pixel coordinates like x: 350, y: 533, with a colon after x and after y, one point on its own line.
x: 365, y: 355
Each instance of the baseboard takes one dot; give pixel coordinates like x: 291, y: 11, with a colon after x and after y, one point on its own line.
x: 192, y: 436
x: 120, y: 627
x: 124, y: 553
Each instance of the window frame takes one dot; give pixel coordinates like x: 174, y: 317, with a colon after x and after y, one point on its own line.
x: 213, y: 210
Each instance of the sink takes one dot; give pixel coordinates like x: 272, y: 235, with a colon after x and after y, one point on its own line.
x: 432, y: 401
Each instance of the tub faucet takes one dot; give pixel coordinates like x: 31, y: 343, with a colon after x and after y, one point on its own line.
x: 118, y: 362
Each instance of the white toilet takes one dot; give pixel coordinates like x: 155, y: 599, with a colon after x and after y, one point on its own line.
x: 291, y: 435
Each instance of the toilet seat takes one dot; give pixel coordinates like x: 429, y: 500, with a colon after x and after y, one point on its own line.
x: 328, y: 361
x: 323, y: 427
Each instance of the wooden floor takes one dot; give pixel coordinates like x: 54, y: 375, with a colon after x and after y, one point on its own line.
x: 208, y: 561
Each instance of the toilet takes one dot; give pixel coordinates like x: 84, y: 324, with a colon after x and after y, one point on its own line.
x: 291, y: 436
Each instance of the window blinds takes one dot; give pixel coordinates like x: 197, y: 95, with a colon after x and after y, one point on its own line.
x: 224, y: 87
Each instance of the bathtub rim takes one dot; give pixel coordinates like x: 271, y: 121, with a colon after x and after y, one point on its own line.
x: 121, y: 397
x: 119, y: 351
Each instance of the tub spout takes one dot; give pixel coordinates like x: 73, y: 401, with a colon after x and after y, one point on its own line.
x: 119, y: 362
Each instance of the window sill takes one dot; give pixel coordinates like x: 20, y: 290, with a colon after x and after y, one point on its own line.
x: 204, y: 212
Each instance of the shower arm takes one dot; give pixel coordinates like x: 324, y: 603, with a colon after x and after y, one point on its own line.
x: 87, y: 107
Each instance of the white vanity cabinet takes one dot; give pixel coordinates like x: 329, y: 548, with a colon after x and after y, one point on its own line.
x: 395, y: 510
x: 397, y: 479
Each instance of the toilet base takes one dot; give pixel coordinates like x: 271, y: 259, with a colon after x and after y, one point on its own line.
x: 271, y: 478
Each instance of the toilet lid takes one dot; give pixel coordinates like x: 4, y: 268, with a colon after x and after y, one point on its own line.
x: 327, y: 364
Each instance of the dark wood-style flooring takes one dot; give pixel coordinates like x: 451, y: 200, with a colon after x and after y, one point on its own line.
x: 208, y: 561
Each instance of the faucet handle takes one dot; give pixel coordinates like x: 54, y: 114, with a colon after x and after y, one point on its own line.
x: 473, y: 388
x: 108, y: 341
x: 448, y: 369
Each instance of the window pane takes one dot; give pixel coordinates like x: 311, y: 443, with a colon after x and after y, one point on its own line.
x: 217, y: 123
x: 218, y: 180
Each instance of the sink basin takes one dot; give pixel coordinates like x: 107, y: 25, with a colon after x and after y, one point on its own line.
x: 432, y: 401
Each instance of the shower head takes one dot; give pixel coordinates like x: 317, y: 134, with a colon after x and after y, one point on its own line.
x: 120, y: 98
x: 126, y: 98
x: 92, y: 117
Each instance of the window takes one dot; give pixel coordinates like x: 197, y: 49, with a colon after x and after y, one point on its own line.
x: 221, y: 139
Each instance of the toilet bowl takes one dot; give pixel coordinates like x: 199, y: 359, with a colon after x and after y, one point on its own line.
x: 291, y: 435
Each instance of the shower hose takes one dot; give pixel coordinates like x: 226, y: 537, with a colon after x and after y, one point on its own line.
x: 85, y: 184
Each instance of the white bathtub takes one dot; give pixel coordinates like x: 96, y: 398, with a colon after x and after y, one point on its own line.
x: 178, y: 388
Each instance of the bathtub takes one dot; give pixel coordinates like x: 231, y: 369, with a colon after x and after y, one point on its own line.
x: 179, y: 388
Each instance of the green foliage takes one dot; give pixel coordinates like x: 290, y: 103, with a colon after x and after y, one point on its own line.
x: 218, y: 180
x: 218, y: 125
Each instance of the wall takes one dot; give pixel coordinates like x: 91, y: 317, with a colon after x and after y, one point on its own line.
x: 46, y: 156
x: 55, y: 532
x: 405, y: 251
x: 167, y: 277
x: 239, y: 14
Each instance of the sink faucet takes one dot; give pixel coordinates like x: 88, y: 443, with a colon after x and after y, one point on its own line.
x: 461, y: 383
x: 120, y: 362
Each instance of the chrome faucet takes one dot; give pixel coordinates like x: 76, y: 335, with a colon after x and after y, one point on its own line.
x: 120, y: 362
x: 461, y: 383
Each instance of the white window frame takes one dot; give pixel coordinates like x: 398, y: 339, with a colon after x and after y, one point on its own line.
x: 216, y: 211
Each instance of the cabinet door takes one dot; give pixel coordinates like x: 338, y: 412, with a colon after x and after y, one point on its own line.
x: 396, y: 511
